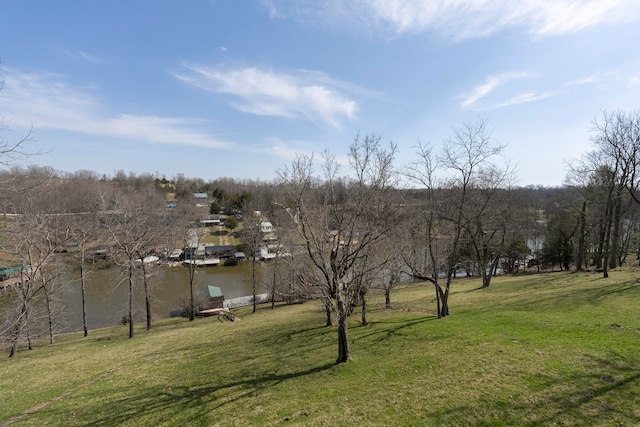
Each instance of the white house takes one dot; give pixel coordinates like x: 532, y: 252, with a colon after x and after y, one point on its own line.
x: 210, y: 220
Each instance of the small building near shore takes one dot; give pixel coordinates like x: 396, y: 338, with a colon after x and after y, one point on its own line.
x: 210, y: 220
x: 213, y: 297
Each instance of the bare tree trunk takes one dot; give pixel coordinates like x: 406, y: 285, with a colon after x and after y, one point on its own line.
x: 600, y: 248
x: 290, y: 297
x: 147, y: 300
x: 615, y: 237
x: 344, y: 354
x: 14, y: 342
x: 17, y: 331
x: 130, y: 319
x: 48, y: 301
x: 387, y: 297
x: 581, y: 238
x: 607, y: 241
x: 273, y: 288
x: 147, y: 292
x: 486, y: 279
x: 192, y: 272
x: 363, y: 299
x: 20, y: 323
x: 444, y: 300
x: 438, y: 302
x: 328, y: 309
x: 83, y: 291
x: 191, y: 247
x: 29, y: 342
x: 253, y: 279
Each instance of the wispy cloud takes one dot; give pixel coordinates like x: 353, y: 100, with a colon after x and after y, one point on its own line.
x: 308, y: 95
x: 628, y: 76
x: 568, y: 16
x: 48, y: 101
x: 533, y: 95
x: 460, y: 19
x: 527, y: 97
x: 490, y: 84
x: 161, y: 130
x: 583, y: 81
x: 80, y: 55
x: 287, y: 150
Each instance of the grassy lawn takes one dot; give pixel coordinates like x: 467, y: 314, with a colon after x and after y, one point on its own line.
x: 220, y: 236
x: 549, y: 349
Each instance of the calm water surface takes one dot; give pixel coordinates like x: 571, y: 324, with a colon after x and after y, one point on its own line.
x: 107, y: 291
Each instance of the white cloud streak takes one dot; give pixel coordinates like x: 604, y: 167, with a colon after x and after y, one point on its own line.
x: 527, y: 97
x: 460, y: 19
x: 494, y: 82
x: 47, y: 101
x: 84, y: 56
x: 307, y: 95
x: 287, y: 150
x: 489, y: 85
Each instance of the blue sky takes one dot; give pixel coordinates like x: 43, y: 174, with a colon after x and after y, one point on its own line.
x: 223, y: 88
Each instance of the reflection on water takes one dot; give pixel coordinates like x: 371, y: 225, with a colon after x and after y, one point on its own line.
x: 107, y: 291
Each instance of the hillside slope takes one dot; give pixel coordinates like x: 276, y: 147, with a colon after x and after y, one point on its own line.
x: 530, y: 350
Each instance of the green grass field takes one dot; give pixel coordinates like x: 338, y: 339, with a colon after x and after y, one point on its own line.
x: 549, y: 349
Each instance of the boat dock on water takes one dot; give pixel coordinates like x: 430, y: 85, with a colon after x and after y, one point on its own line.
x: 11, y: 276
x: 207, y: 262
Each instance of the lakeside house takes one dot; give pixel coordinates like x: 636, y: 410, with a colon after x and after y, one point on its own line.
x: 211, y: 220
x: 272, y: 251
x: 268, y: 231
x: 266, y: 227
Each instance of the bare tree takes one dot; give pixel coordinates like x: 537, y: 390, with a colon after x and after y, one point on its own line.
x: 282, y: 266
x: 426, y: 256
x: 51, y: 284
x: 21, y: 240
x: 617, y: 139
x: 31, y: 237
x: 191, y: 235
x: 389, y: 257
x: 457, y: 206
x: 84, y: 195
x: 252, y: 237
x: 340, y: 219
x: 488, y: 226
x: 131, y: 218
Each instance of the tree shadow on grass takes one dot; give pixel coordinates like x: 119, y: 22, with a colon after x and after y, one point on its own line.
x: 574, y: 297
x: 558, y: 291
x: 382, y: 330
x: 194, y: 404
x: 588, y: 399
x: 604, y: 395
x: 479, y: 288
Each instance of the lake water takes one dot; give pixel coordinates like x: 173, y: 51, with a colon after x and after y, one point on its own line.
x: 107, y: 291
